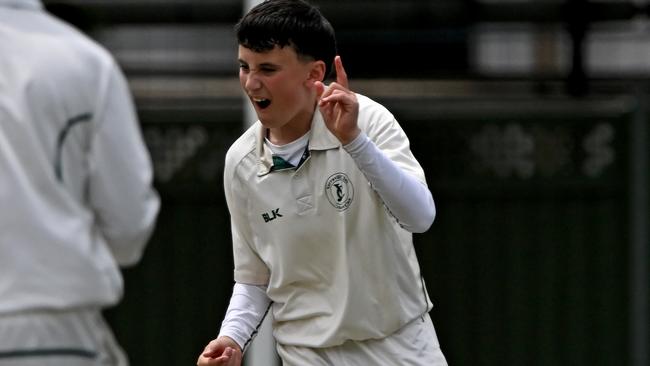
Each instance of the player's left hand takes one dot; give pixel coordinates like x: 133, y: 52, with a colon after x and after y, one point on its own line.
x: 339, y: 106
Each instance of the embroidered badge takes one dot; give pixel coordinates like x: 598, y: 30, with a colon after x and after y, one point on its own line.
x: 339, y: 191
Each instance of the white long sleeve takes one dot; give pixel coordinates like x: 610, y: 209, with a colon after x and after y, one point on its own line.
x: 408, y: 200
x: 248, y: 306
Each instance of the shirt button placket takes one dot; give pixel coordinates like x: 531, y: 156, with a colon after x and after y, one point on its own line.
x: 302, y: 192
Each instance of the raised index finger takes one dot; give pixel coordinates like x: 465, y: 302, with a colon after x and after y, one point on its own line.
x: 341, y: 76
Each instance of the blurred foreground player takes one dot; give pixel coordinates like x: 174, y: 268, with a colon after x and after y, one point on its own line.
x: 324, y: 195
x: 76, y: 196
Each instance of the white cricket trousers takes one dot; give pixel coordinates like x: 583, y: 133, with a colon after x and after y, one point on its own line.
x: 415, y: 344
x: 78, y: 337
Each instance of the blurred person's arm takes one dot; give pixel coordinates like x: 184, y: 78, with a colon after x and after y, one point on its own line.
x: 121, y: 173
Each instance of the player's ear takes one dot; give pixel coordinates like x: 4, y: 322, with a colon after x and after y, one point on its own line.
x: 317, y: 71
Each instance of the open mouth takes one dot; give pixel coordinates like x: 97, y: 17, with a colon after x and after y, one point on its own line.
x: 261, y: 102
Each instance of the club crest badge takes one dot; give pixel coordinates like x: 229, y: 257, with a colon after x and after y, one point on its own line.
x: 339, y: 191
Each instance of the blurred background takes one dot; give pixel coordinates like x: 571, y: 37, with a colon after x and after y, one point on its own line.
x: 530, y: 119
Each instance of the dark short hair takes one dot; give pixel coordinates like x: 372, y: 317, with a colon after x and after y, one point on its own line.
x: 292, y: 23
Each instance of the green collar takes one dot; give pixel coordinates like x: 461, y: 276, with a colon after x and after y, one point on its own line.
x: 280, y: 164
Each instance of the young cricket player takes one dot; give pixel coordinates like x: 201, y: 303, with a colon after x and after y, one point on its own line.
x: 324, y: 195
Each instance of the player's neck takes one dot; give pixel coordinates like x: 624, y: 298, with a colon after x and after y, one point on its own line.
x: 290, y: 131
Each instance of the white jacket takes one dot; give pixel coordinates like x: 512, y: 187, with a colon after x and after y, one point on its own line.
x: 76, y: 195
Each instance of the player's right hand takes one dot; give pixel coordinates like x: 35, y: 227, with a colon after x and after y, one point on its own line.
x: 339, y: 106
x: 222, y: 351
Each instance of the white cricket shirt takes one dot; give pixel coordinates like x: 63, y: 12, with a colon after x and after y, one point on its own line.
x: 76, y: 199
x: 338, y: 266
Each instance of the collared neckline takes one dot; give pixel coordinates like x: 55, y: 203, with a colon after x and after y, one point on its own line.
x: 320, y: 138
x: 22, y: 4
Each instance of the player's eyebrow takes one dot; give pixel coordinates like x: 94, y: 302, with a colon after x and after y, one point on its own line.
x: 262, y: 65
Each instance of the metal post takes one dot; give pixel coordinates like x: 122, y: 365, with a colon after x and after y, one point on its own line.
x: 639, y: 207
x: 577, y: 17
x: 262, y: 351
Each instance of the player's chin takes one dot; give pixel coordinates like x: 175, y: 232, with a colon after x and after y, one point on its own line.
x: 265, y: 117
